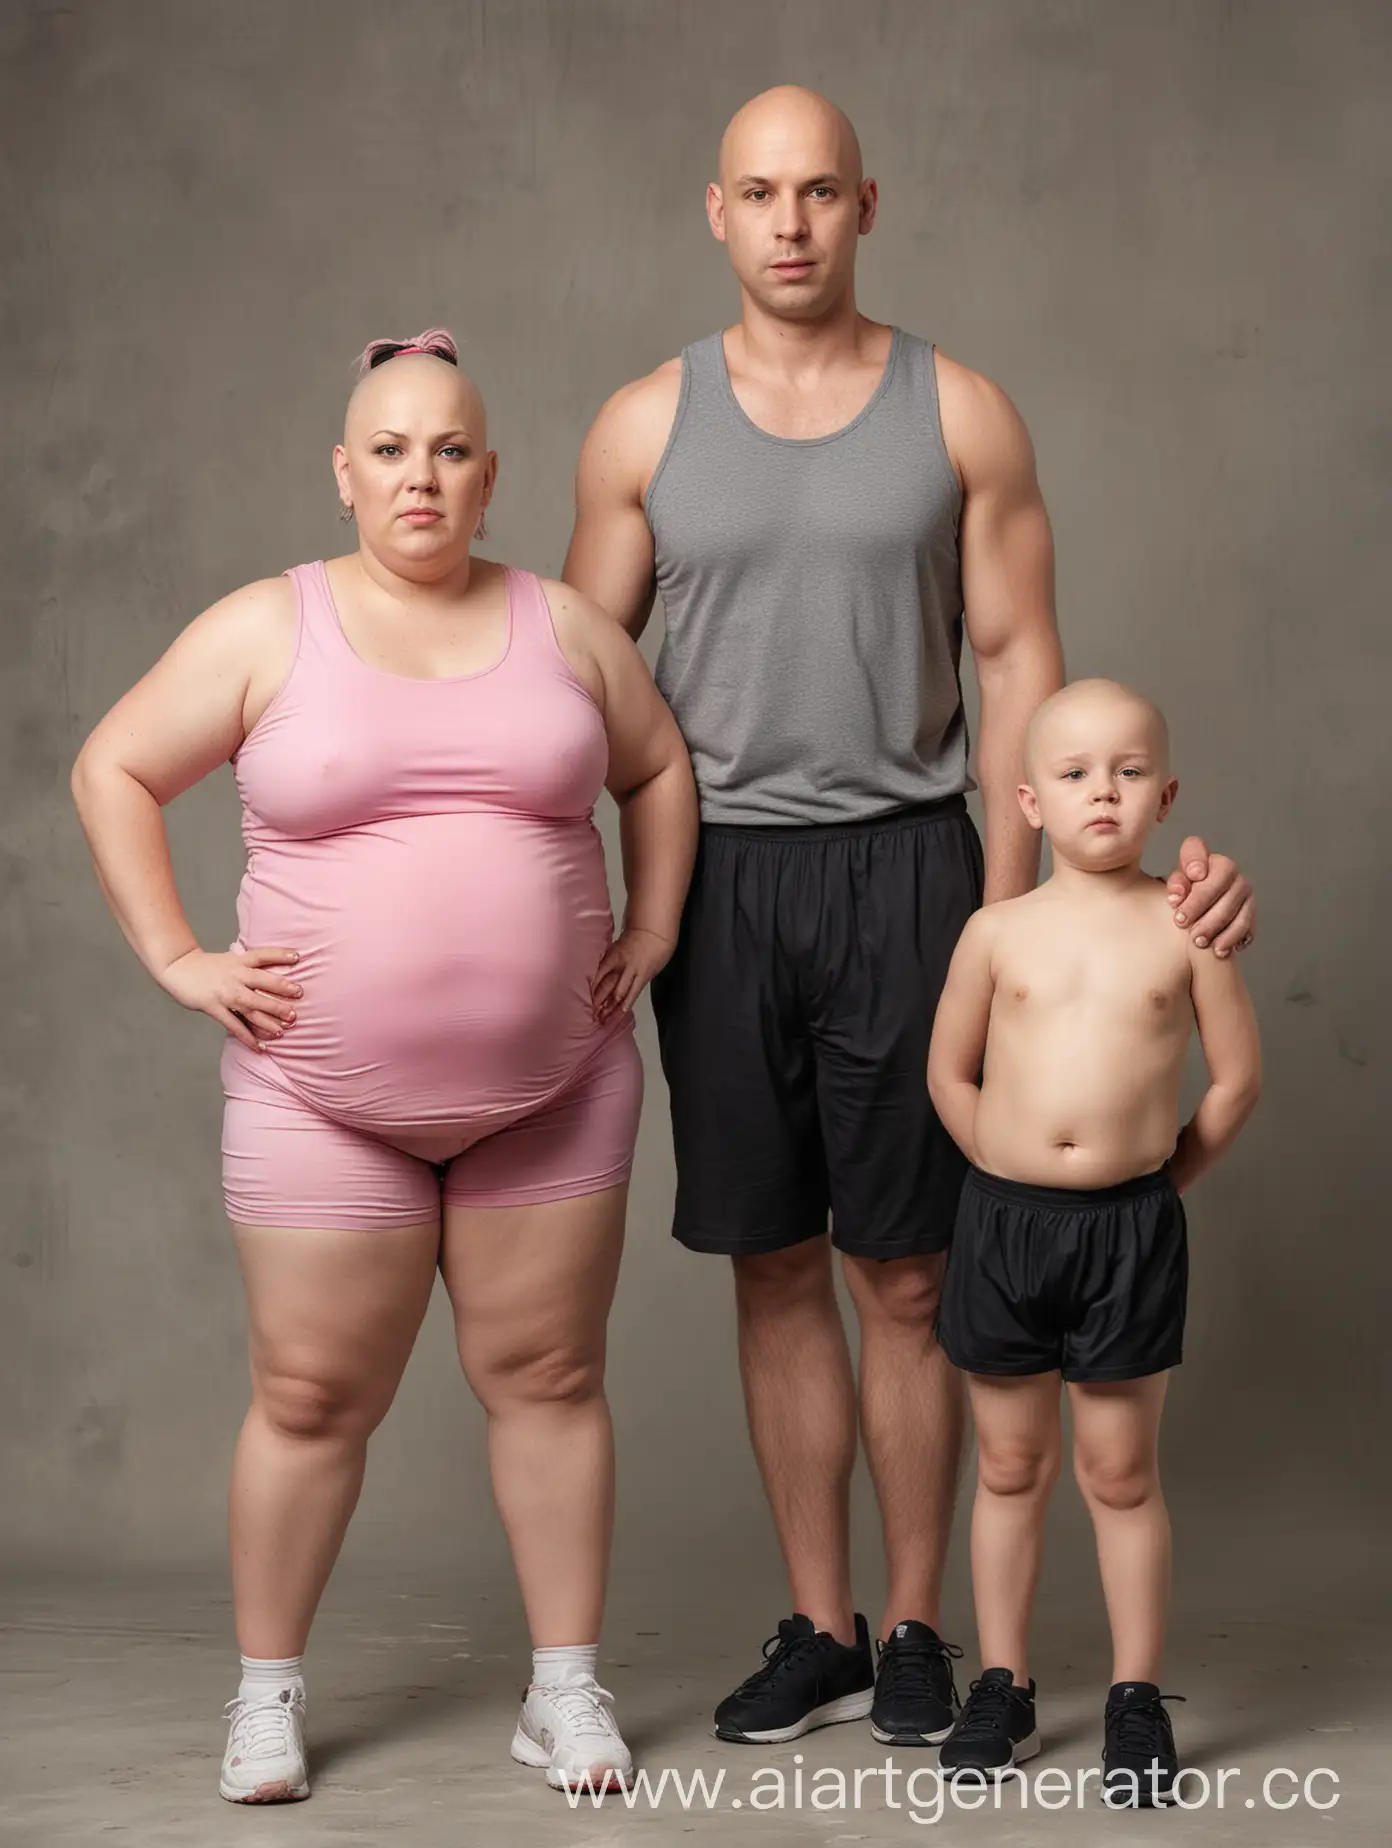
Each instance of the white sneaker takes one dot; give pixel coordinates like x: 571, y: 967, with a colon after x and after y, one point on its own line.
x: 265, y: 1757
x: 569, y: 1732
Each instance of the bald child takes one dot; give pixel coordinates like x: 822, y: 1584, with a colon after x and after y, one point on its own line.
x: 1057, y: 1056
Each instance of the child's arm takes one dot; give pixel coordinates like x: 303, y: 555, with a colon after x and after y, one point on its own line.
x: 1232, y: 1052
x: 959, y: 1031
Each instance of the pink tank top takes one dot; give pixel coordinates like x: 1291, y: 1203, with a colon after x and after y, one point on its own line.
x: 429, y: 848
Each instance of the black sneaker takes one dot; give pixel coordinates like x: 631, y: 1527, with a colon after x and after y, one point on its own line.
x: 808, y: 1679
x: 915, y: 1696
x: 996, y: 1728
x: 1139, y: 1762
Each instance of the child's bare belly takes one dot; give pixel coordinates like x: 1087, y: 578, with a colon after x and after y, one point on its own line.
x: 1074, y: 1096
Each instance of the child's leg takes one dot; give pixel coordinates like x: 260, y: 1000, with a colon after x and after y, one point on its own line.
x: 1116, y: 1426
x: 1018, y: 1446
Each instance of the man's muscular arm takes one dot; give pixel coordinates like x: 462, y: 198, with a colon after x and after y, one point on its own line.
x: 1007, y: 557
x: 611, y: 549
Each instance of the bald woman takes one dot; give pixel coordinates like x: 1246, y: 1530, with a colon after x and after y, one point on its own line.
x: 429, y: 1059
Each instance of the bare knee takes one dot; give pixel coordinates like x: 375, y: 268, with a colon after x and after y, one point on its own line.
x: 1017, y: 1469
x: 508, y: 1378
x: 774, y: 1282
x: 1116, y: 1482
x: 901, y: 1293
x: 314, y: 1410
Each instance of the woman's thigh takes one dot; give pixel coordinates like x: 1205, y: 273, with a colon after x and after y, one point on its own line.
x: 531, y: 1287
x: 332, y: 1315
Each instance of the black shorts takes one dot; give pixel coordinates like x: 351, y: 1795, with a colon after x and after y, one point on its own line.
x: 794, y: 1022
x: 1091, y: 1284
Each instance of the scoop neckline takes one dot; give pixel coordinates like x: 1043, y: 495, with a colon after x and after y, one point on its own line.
x: 809, y: 442
x: 422, y: 680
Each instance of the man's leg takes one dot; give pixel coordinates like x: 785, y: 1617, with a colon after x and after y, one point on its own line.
x: 911, y: 1414
x: 799, y: 1393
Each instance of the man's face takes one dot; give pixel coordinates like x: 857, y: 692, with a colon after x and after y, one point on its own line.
x: 789, y: 208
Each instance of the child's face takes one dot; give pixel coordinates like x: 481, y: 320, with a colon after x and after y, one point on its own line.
x: 1100, y: 780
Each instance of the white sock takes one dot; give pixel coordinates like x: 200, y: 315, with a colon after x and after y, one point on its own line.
x: 553, y: 1668
x: 263, y: 1675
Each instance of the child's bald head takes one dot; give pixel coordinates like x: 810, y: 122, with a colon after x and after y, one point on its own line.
x: 1084, y: 712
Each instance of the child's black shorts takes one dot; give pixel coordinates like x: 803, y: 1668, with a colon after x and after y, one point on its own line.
x: 1092, y: 1284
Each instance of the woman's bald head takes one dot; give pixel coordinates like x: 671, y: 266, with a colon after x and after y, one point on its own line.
x: 424, y: 382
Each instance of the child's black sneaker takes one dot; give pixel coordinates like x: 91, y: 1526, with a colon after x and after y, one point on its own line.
x: 808, y: 1679
x: 1139, y: 1762
x: 996, y: 1727
x: 915, y: 1696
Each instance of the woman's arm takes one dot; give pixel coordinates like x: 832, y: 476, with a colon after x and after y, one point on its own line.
x: 650, y: 779
x: 183, y: 719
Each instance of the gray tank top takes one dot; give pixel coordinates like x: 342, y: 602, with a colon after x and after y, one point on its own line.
x: 813, y: 599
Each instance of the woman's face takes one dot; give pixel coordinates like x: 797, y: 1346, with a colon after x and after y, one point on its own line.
x: 414, y: 464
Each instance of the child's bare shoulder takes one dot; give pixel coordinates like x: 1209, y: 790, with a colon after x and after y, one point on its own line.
x: 992, y: 924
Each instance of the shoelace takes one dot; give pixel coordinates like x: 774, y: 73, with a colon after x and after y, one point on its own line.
x: 584, y: 1706
x: 908, y: 1669
x: 261, y: 1728
x: 987, y: 1705
x: 1142, y: 1726
x: 787, y: 1646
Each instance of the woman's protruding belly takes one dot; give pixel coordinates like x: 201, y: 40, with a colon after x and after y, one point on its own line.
x: 446, y: 963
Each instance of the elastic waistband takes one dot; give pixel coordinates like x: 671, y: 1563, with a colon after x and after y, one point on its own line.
x: 808, y: 833
x: 1076, y: 1199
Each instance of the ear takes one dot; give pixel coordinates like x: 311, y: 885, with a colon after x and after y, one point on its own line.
x: 869, y: 206
x: 715, y: 211
x: 1167, y: 797
x: 340, y: 469
x: 1029, y: 802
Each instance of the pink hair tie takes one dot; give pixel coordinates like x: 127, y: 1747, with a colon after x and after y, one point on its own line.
x: 435, y: 343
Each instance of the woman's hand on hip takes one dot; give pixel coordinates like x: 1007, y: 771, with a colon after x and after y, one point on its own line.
x: 238, y: 989
x: 629, y: 964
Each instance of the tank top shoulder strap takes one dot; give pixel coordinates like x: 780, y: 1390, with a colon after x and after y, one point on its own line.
x: 320, y: 636
x: 705, y: 380
x: 532, y: 640
x: 916, y: 395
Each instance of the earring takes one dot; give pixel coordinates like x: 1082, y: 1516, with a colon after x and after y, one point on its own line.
x: 481, y: 530
x: 345, y: 512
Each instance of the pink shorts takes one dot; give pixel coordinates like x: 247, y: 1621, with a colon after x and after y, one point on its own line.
x: 286, y: 1164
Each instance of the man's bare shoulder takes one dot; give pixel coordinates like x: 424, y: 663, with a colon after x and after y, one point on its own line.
x: 981, y: 426
x: 633, y: 425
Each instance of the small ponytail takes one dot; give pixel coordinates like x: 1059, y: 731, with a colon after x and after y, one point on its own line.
x: 438, y: 342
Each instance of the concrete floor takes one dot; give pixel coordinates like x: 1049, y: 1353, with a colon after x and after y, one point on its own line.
x: 112, y: 1692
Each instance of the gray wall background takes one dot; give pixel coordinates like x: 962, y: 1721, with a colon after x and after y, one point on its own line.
x: 1160, y: 226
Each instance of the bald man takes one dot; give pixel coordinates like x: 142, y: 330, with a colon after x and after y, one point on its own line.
x: 825, y: 503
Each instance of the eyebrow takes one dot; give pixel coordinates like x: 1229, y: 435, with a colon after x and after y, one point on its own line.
x: 820, y: 179
x: 401, y: 437
x: 1080, y: 757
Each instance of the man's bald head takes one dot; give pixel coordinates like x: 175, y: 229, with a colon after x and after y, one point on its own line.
x: 786, y: 117
x: 418, y: 384
x: 1087, y: 710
